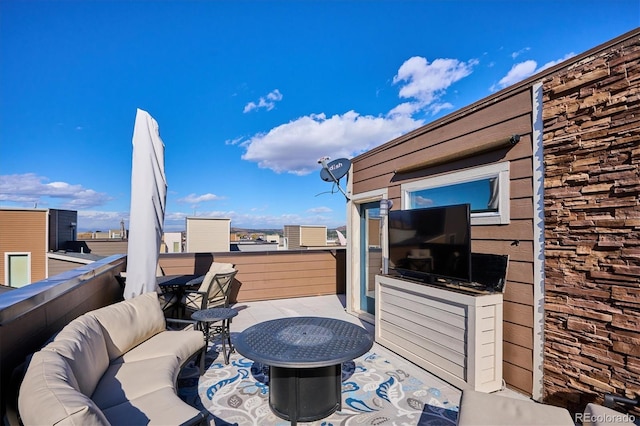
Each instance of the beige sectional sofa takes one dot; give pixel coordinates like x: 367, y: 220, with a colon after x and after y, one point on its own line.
x: 115, y: 365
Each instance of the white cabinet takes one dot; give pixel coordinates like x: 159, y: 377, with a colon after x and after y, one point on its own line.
x: 454, y: 335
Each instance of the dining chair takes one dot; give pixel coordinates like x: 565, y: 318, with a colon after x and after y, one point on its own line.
x: 213, y: 292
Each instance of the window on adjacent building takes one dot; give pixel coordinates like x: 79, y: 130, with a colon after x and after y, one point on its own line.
x: 18, y: 269
x: 485, y: 188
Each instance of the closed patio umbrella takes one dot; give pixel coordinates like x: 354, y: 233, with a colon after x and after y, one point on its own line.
x: 148, y: 200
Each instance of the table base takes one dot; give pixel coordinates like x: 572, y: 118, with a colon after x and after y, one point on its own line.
x: 305, y: 394
x: 221, y: 331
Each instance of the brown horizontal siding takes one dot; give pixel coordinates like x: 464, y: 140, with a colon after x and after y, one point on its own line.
x: 517, y: 378
x: 522, y: 251
x: 517, y: 230
x: 519, y: 313
x: 270, y: 275
x: 372, y: 172
x: 477, y: 124
x: 518, y: 292
x: 521, y: 272
x: 517, y: 334
x: 521, y: 188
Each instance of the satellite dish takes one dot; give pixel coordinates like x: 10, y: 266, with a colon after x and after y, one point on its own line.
x: 335, y: 170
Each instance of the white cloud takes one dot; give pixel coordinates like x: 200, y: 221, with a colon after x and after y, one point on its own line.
x: 520, y: 52
x: 267, y: 102
x: 93, y: 220
x: 234, y: 141
x: 523, y: 70
x: 423, y: 202
x: 197, y: 199
x: 427, y: 82
x: 557, y: 61
x: 436, y: 108
x: 295, y: 147
x: 518, y: 72
x: 320, y: 210
x: 28, y: 189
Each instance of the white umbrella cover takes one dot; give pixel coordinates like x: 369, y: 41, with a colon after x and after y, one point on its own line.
x: 148, y: 200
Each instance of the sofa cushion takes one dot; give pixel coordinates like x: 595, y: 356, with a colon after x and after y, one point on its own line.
x: 127, y: 324
x: 126, y: 381
x: 477, y: 408
x: 182, y: 344
x: 82, y: 345
x: 50, y: 395
x: 598, y: 415
x: 160, y: 407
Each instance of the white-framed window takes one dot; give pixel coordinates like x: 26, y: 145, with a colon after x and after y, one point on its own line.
x: 486, y: 188
x: 17, y: 269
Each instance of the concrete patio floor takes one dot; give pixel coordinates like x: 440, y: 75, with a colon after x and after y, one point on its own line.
x: 333, y: 306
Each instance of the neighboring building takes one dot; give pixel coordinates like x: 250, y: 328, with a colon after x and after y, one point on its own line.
x: 112, y: 234
x: 303, y: 236
x: 272, y: 238
x: 566, y: 210
x: 172, y: 242
x: 27, y: 236
x: 207, y: 234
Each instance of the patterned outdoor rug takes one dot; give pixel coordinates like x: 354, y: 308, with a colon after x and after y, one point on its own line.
x: 374, y: 392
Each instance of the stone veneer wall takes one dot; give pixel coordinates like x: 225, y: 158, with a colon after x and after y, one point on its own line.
x: 591, y: 113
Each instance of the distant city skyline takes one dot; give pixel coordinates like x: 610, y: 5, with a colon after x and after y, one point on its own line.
x: 249, y: 95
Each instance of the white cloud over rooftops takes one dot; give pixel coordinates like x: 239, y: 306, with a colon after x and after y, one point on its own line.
x: 29, y: 189
x: 197, y: 199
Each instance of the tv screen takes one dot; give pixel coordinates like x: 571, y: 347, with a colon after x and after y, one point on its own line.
x: 431, y: 243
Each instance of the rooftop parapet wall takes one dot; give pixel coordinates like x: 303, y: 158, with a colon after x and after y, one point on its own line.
x: 591, y: 113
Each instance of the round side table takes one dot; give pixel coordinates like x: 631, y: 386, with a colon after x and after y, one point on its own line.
x: 206, y: 319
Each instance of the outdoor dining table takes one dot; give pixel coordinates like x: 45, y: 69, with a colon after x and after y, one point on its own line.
x: 177, y: 285
x: 305, y: 356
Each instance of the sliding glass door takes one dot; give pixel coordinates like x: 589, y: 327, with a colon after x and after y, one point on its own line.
x: 370, y: 254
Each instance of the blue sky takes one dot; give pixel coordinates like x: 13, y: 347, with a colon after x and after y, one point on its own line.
x: 249, y: 95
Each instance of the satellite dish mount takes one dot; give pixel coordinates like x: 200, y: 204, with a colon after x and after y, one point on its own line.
x: 333, y: 171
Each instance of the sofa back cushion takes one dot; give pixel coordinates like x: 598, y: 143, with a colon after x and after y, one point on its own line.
x: 82, y: 344
x: 50, y: 395
x: 127, y: 324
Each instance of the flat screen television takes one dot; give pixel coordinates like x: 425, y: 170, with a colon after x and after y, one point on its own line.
x: 431, y: 244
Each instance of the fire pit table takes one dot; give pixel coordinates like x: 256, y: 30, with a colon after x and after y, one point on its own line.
x: 305, y: 356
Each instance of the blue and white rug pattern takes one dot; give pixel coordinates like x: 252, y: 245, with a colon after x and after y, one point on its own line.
x: 374, y: 392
